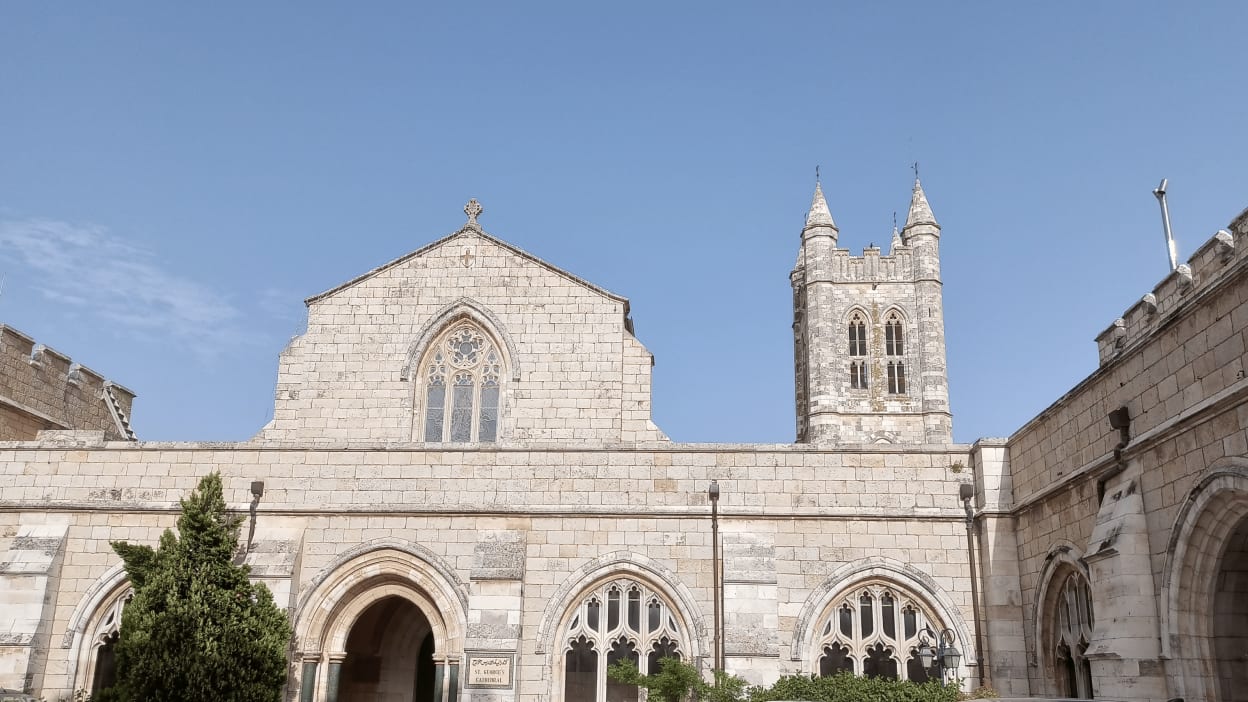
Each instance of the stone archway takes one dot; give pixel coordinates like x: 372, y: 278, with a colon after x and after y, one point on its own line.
x: 1230, y: 617
x: 389, y: 655
x: 382, y: 624
x: 1205, y: 592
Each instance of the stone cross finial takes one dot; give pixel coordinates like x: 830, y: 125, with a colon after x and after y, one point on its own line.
x: 473, y: 209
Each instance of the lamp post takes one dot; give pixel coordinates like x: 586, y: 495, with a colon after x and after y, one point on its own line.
x: 713, y: 494
x: 943, y: 659
x: 966, y: 491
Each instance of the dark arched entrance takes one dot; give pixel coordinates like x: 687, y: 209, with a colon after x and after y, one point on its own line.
x: 1230, y: 617
x: 389, y: 655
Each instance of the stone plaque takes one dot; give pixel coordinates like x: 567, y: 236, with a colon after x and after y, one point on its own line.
x: 489, y: 670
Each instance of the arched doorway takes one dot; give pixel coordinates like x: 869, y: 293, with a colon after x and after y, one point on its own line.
x: 389, y: 655
x: 385, y: 622
x: 1205, y: 595
x: 1230, y: 617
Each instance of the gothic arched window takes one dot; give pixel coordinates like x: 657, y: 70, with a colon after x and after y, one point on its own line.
x: 620, y: 619
x: 893, y: 335
x: 857, y: 351
x: 459, y: 385
x: 894, y: 349
x: 874, y: 631
x: 1072, y: 632
x: 896, y: 378
x: 104, y: 638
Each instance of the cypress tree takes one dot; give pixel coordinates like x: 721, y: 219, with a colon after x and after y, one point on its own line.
x: 197, y: 628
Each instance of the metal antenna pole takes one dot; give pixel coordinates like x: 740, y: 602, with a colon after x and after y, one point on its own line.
x: 1160, y: 194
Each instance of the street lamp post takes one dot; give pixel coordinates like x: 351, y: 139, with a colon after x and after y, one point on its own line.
x: 713, y: 493
x: 943, y: 659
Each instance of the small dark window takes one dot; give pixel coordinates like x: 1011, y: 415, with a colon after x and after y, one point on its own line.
x: 896, y: 378
x: 868, y: 619
x: 879, y: 663
x: 858, y: 375
x: 592, y: 610
x: 835, y: 660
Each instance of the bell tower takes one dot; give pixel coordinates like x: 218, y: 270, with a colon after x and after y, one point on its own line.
x: 869, y: 334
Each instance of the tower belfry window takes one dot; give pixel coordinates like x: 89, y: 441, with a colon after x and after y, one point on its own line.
x: 461, y: 376
x: 894, y: 348
x: 896, y: 378
x: 857, y: 335
x: 857, y: 352
x: 893, y: 335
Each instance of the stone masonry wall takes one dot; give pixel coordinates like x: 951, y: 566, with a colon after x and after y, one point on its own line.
x: 813, y: 512
x: 1183, y: 382
x: 41, y: 388
x: 576, y: 372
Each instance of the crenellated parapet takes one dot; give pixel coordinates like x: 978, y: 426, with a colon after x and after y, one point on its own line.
x: 43, y: 389
x: 872, y: 266
x: 1216, y: 261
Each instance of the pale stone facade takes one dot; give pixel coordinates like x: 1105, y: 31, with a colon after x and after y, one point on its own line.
x: 464, y: 496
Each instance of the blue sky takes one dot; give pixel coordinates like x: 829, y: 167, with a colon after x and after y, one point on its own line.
x: 175, y: 179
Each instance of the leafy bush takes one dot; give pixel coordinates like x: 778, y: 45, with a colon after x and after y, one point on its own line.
x: 845, y: 687
x: 677, y: 681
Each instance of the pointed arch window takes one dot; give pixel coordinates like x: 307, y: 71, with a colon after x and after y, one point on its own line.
x: 857, y: 335
x: 893, y: 335
x: 896, y: 378
x: 621, y: 619
x: 857, y: 351
x: 1072, y: 633
x: 460, y: 385
x: 874, y: 631
x: 104, y: 638
x: 894, y: 349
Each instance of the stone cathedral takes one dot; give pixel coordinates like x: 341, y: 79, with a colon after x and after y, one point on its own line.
x: 462, y: 496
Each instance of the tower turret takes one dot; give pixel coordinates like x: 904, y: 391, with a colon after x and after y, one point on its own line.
x: 819, y: 220
x: 811, y: 296
x: 922, y: 234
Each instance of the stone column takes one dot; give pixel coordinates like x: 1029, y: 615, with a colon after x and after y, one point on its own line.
x: 439, y: 680
x: 452, y: 686
x: 307, y: 679
x: 335, y: 676
x: 1001, y: 605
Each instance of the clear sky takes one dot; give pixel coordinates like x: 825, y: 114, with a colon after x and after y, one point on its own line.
x: 175, y: 178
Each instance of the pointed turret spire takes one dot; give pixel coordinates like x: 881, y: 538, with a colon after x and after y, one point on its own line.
x: 896, y: 242
x: 920, y: 211
x: 819, y: 215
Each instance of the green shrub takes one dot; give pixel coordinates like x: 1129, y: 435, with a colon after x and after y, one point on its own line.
x: 850, y: 688
x: 197, y: 629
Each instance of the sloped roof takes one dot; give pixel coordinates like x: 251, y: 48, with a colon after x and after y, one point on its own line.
x: 478, y: 231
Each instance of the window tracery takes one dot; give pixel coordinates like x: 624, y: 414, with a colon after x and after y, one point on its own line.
x: 621, y: 619
x: 896, y: 378
x: 874, y: 631
x: 894, y: 349
x: 857, y: 351
x: 104, y: 638
x: 461, y: 386
x: 1072, y: 633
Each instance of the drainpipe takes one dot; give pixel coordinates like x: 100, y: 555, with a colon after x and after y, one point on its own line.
x: 967, y: 491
